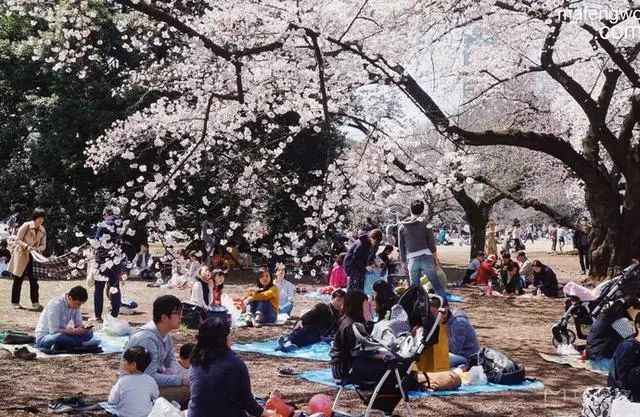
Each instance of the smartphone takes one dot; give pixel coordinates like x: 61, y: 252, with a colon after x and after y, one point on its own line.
x: 89, y: 326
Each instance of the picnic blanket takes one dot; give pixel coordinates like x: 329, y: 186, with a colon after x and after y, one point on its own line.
x: 109, y: 345
x: 62, y: 267
x: 282, y: 319
x: 315, y: 352
x: 324, y: 377
x: 452, y: 298
x: 574, y: 361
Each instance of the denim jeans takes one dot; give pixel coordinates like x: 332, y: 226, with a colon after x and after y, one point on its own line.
x: 98, y: 295
x: 269, y: 314
x: 286, y: 309
x: 425, y: 265
x: 63, y: 341
x: 456, y: 360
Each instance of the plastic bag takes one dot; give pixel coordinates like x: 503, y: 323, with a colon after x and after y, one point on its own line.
x: 475, y: 376
x: 163, y: 408
x: 227, y: 302
x: 114, y: 327
x: 622, y: 407
x: 565, y: 350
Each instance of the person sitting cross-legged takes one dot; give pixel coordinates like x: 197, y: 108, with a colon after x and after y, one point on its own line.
x: 155, y: 338
x: 321, y: 321
x: 53, y: 330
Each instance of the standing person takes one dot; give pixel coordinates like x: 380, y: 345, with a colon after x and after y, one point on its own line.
x: 553, y: 235
x: 31, y: 237
x: 285, y: 290
x: 109, y: 264
x: 360, y: 256
x: 219, y: 380
x: 418, y: 248
x: 156, y: 339
x: 582, y: 244
x: 338, y: 277
x: 516, y: 233
x: 490, y: 243
x: 561, y: 233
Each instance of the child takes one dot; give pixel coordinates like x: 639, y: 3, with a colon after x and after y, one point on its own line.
x: 338, y: 275
x: 185, y: 358
x: 134, y: 393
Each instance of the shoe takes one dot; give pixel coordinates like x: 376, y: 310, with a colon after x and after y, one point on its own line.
x: 583, y: 273
x: 71, y: 404
x: 37, y: 307
x: 248, y: 319
x: 23, y: 353
x: 257, y: 322
x: 91, y: 343
x: 16, y: 306
x: 287, y: 372
x: 96, y: 320
x: 289, y: 347
x: 5, y: 354
x: 280, y: 342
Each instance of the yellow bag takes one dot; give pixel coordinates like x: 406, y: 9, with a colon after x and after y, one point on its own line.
x: 435, y: 358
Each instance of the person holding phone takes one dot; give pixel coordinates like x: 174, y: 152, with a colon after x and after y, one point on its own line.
x: 53, y: 330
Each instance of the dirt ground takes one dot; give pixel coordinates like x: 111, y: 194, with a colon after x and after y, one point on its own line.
x: 519, y: 326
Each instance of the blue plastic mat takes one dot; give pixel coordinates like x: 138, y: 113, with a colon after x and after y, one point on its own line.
x: 315, y: 352
x: 324, y: 377
x: 109, y: 345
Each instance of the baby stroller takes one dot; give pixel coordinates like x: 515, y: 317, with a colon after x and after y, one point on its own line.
x: 415, y: 302
x: 584, y: 311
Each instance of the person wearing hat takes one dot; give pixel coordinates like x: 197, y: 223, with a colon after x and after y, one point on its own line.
x: 486, y: 271
x: 219, y: 380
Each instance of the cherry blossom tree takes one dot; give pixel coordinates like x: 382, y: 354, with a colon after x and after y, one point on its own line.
x: 222, y: 65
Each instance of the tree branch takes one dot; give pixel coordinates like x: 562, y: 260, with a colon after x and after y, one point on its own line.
x: 617, y: 58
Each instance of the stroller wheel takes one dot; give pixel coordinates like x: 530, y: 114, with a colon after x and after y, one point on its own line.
x: 563, y: 337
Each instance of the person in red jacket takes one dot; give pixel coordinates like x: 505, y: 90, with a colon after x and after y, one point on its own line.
x: 486, y: 271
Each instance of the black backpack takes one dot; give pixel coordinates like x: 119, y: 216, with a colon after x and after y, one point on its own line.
x: 498, y: 367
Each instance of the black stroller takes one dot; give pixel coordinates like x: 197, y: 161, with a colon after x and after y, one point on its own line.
x: 584, y: 313
x: 415, y: 302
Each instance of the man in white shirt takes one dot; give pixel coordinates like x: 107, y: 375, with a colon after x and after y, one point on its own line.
x: 53, y: 331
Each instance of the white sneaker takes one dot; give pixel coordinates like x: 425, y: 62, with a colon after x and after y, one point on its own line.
x: 16, y: 306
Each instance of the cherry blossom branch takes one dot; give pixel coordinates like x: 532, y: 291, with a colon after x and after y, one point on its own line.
x: 364, y: 4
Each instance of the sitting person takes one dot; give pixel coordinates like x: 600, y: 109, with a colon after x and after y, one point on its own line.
x: 473, y: 268
x: 387, y: 267
x: 526, y: 268
x: 372, y: 275
x: 544, y: 279
x: 384, y: 298
x: 486, y: 272
x: 5, y: 256
x: 135, y: 392
x: 463, y: 340
x: 361, y: 368
x: 220, y: 382
x: 510, y: 280
x: 184, y: 358
x: 216, y: 286
x: 184, y: 273
x: 200, y: 291
x: 155, y: 338
x: 142, y: 263
x: 321, y: 321
x: 53, y: 331
x: 285, y: 290
x: 625, y: 369
x: 338, y: 277
x: 262, y: 303
x: 611, y: 327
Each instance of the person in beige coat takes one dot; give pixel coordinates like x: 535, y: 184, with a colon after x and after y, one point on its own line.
x: 31, y: 237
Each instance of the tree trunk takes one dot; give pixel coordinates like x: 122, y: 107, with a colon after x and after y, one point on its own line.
x: 615, y: 236
x: 478, y: 216
x: 478, y: 233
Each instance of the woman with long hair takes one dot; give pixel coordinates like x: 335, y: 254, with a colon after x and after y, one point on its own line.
x: 263, y: 302
x: 384, y: 298
x: 490, y: 243
x: 219, y: 380
x: 217, y: 285
x: 200, y: 291
x: 544, y: 279
x: 364, y: 367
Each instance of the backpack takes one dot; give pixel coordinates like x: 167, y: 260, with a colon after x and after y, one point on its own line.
x: 597, y: 401
x: 498, y: 367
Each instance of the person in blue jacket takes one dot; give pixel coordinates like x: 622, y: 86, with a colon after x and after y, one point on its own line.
x: 625, y: 369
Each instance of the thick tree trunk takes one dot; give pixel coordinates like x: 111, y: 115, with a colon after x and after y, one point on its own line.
x: 615, y: 236
x: 478, y: 216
